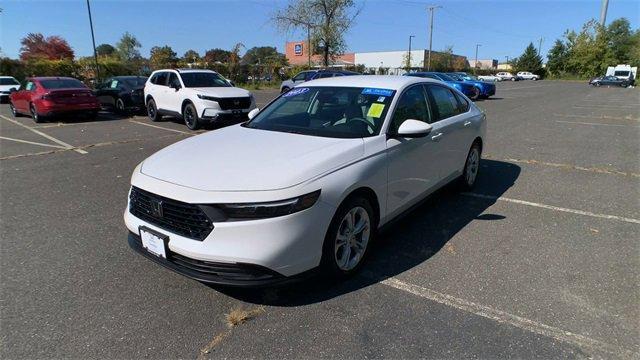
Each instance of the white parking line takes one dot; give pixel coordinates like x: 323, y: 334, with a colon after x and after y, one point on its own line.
x: 510, y: 319
x: 556, y: 208
x: 605, y: 107
x: 566, y: 166
x: 32, y: 143
x: 67, y: 146
x: 594, y: 124
x: 524, y: 87
x: 603, y: 117
x: 163, y: 128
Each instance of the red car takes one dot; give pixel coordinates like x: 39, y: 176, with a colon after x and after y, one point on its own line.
x: 42, y: 97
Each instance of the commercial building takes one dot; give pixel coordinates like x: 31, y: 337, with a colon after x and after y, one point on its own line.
x: 489, y: 64
x: 389, y: 62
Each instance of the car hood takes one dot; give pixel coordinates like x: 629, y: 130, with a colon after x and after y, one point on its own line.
x: 8, y: 87
x: 222, y: 91
x: 243, y: 159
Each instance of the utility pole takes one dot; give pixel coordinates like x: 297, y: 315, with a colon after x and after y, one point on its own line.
x: 475, y: 67
x: 431, y: 9
x: 603, y: 12
x: 309, y: 45
x: 93, y: 39
x: 409, y: 58
x: 540, y: 46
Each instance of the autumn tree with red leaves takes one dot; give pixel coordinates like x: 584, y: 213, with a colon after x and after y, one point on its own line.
x: 36, y: 46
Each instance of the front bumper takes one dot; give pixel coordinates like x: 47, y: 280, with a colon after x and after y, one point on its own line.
x: 227, y: 274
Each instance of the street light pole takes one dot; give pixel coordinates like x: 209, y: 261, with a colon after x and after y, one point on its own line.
x: 93, y: 39
x: 409, y: 61
x: 431, y: 9
x: 475, y: 67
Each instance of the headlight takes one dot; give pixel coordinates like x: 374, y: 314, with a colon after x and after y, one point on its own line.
x: 205, y: 97
x: 245, y: 211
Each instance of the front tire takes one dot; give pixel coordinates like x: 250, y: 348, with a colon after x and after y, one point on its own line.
x: 284, y: 90
x: 190, y: 116
x: 119, y: 105
x: 152, y: 111
x: 513, y: 79
x: 352, y: 230
x: 14, y: 112
x: 475, y: 95
x: 471, y: 167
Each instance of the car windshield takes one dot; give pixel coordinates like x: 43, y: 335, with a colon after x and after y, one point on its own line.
x: 61, y: 84
x: 138, y: 81
x: 339, y: 112
x: 203, y: 79
x: 8, y: 81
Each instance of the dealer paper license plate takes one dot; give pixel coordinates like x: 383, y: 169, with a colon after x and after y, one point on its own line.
x: 154, y: 242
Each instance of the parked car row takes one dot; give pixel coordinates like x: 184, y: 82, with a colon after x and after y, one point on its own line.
x: 196, y: 96
x: 474, y: 89
x: 609, y: 80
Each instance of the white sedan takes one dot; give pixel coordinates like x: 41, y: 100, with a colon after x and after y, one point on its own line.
x: 489, y: 78
x: 306, y: 183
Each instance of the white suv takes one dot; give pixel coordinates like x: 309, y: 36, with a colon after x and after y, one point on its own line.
x: 197, y: 96
x: 525, y: 75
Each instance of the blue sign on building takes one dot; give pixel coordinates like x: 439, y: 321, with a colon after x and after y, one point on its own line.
x: 297, y: 49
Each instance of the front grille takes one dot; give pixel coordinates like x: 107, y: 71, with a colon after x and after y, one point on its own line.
x: 234, y: 103
x: 237, y: 272
x: 180, y: 218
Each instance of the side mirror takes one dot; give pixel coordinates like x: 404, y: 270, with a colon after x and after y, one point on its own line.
x: 231, y: 83
x: 253, y: 113
x: 411, y: 128
x: 12, y: 90
x: 176, y: 87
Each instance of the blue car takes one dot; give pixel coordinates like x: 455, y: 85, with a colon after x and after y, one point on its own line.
x: 486, y: 89
x: 469, y: 89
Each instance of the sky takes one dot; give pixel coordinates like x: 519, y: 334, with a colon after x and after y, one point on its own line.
x: 502, y: 28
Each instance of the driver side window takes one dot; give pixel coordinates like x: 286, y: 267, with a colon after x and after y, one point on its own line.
x: 411, y: 105
x: 174, y: 82
x: 301, y: 76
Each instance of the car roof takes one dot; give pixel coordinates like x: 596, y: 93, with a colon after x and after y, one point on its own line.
x: 7, y: 77
x: 182, y: 71
x: 40, y: 78
x: 391, y: 82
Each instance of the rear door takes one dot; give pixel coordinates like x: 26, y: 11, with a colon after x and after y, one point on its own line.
x: 413, y: 164
x: 450, y: 127
x: 174, y: 99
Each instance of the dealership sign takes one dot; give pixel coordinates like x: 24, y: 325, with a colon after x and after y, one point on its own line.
x: 297, y: 49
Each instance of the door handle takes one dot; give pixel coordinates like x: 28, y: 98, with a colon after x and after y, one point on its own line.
x: 467, y: 123
x: 437, y: 137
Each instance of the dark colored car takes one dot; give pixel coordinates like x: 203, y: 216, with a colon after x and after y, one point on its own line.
x: 122, y: 93
x: 486, y: 89
x: 608, y: 81
x: 43, y: 97
x: 309, y: 75
x: 469, y: 89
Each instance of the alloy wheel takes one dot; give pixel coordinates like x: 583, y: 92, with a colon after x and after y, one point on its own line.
x: 189, y: 117
x: 120, y: 105
x: 352, y: 238
x: 473, y: 163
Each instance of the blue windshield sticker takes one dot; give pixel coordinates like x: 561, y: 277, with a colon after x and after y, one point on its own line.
x: 380, y: 92
x: 295, y: 91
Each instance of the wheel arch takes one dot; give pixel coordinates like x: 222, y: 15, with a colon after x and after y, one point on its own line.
x: 185, y: 102
x: 367, y: 193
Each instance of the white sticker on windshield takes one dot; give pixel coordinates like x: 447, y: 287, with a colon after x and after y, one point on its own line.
x: 295, y: 92
x: 381, y: 99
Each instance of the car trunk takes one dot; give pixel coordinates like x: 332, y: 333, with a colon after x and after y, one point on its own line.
x: 70, y: 96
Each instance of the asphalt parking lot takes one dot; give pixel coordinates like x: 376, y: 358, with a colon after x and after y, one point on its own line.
x: 540, y: 261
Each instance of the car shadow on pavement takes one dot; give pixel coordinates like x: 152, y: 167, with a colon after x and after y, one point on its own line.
x: 405, y: 244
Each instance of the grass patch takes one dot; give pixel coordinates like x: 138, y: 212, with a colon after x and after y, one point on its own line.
x: 239, y: 315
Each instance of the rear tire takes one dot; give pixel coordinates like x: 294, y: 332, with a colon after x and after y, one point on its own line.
x: 152, y: 111
x: 190, y: 117
x: 471, y: 168
x: 35, y: 116
x: 350, y: 234
x: 513, y: 79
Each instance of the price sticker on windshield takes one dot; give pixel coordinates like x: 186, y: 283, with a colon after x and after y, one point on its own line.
x: 375, y: 110
x: 295, y: 92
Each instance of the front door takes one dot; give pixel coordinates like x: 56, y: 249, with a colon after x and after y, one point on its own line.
x: 413, y: 164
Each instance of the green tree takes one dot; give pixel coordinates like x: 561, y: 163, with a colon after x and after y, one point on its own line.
x: 191, y: 56
x: 620, y: 39
x: 326, y: 20
x: 590, y: 55
x: 529, y: 61
x: 128, y: 48
x: 263, y: 55
x: 105, y: 50
x: 163, y: 57
x: 557, y: 58
x: 217, y: 55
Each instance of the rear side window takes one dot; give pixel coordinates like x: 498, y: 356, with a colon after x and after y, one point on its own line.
x: 444, y: 102
x: 463, y: 104
x: 159, y: 78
